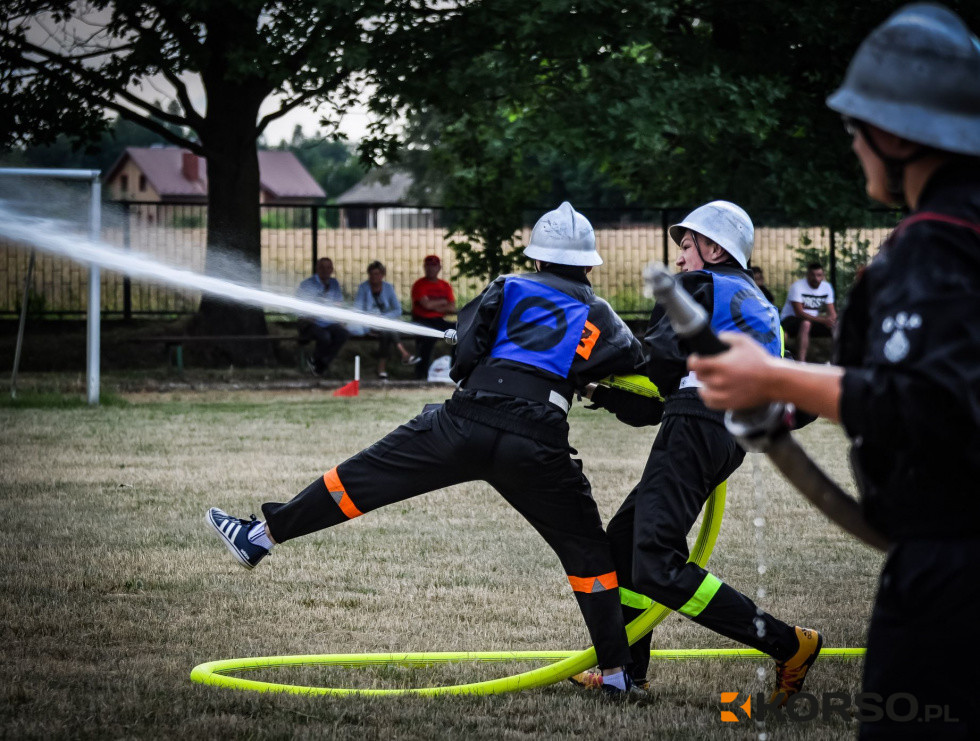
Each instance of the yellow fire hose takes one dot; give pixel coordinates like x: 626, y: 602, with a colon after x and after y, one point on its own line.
x: 213, y: 672
x: 563, y: 664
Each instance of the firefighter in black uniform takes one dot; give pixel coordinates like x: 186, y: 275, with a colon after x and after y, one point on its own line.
x: 524, y: 346
x: 693, y: 453
x: 908, y: 391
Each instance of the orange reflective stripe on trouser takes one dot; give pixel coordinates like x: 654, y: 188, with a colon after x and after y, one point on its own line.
x: 339, y: 494
x: 591, y: 584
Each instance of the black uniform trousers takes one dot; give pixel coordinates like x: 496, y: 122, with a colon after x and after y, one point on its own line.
x: 328, y: 341
x: 425, y: 345
x: 438, y: 449
x: 690, y: 457
x: 920, y: 642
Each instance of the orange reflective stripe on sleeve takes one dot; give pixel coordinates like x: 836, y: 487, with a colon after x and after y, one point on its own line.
x: 590, y: 335
x: 339, y: 494
x: 591, y: 584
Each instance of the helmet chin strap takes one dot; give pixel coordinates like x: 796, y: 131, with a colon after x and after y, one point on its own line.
x: 894, y: 166
x: 697, y: 247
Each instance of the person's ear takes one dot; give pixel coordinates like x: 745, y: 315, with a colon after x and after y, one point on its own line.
x: 716, y: 253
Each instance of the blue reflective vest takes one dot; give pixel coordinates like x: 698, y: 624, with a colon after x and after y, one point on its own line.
x: 741, y: 307
x: 539, y: 326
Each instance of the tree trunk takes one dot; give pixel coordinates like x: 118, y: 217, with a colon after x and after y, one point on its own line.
x: 234, y: 226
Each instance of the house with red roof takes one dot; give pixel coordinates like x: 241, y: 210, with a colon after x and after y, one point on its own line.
x: 171, y: 174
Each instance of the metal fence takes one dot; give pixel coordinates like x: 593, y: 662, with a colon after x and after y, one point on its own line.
x: 293, y: 237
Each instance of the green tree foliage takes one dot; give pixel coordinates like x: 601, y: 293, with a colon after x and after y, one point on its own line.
x: 670, y: 102
x: 673, y: 102
x: 490, y: 186
x: 67, y: 66
x: 492, y: 179
x: 333, y: 164
x: 101, y: 154
x: 483, y: 137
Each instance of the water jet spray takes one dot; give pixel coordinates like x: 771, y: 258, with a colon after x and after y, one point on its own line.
x: 47, y: 236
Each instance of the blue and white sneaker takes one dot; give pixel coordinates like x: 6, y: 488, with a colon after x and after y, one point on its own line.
x: 233, y: 532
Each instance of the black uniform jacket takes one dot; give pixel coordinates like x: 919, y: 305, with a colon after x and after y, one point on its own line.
x: 910, y: 342
x: 665, y: 358
x: 615, y: 351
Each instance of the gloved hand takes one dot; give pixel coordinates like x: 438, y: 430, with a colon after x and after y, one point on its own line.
x: 632, y: 409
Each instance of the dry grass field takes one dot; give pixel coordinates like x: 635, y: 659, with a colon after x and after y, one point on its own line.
x: 113, y: 588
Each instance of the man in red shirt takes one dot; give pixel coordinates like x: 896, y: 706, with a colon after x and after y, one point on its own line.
x: 432, y: 300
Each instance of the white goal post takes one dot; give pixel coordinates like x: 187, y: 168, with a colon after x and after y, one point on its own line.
x: 94, y: 313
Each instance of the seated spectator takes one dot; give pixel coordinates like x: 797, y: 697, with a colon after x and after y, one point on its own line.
x: 432, y: 299
x: 760, y: 281
x: 809, y: 310
x: 328, y: 336
x: 377, y: 296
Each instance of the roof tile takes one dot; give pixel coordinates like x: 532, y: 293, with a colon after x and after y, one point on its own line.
x: 280, y: 173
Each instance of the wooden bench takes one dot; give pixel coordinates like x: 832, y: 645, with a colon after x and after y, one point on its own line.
x: 174, y: 344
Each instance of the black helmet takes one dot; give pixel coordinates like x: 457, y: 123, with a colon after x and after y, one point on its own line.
x: 917, y: 76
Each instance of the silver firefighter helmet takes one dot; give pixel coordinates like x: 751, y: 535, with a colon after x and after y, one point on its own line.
x: 917, y: 75
x: 564, y: 237
x: 722, y: 222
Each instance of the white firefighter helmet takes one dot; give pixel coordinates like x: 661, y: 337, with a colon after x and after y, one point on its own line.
x: 723, y: 223
x: 564, y: 237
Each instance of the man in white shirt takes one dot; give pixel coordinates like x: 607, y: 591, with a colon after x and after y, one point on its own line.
x: 809, y: 310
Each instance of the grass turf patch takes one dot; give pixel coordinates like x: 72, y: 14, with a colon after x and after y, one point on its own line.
x: 113, y: 588
x: 56, y: 400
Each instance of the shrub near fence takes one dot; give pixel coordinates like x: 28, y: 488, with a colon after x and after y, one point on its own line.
x: 177, y: 236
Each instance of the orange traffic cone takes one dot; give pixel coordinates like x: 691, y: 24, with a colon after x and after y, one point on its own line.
x: 353, y: 387
x: 348, y: 389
